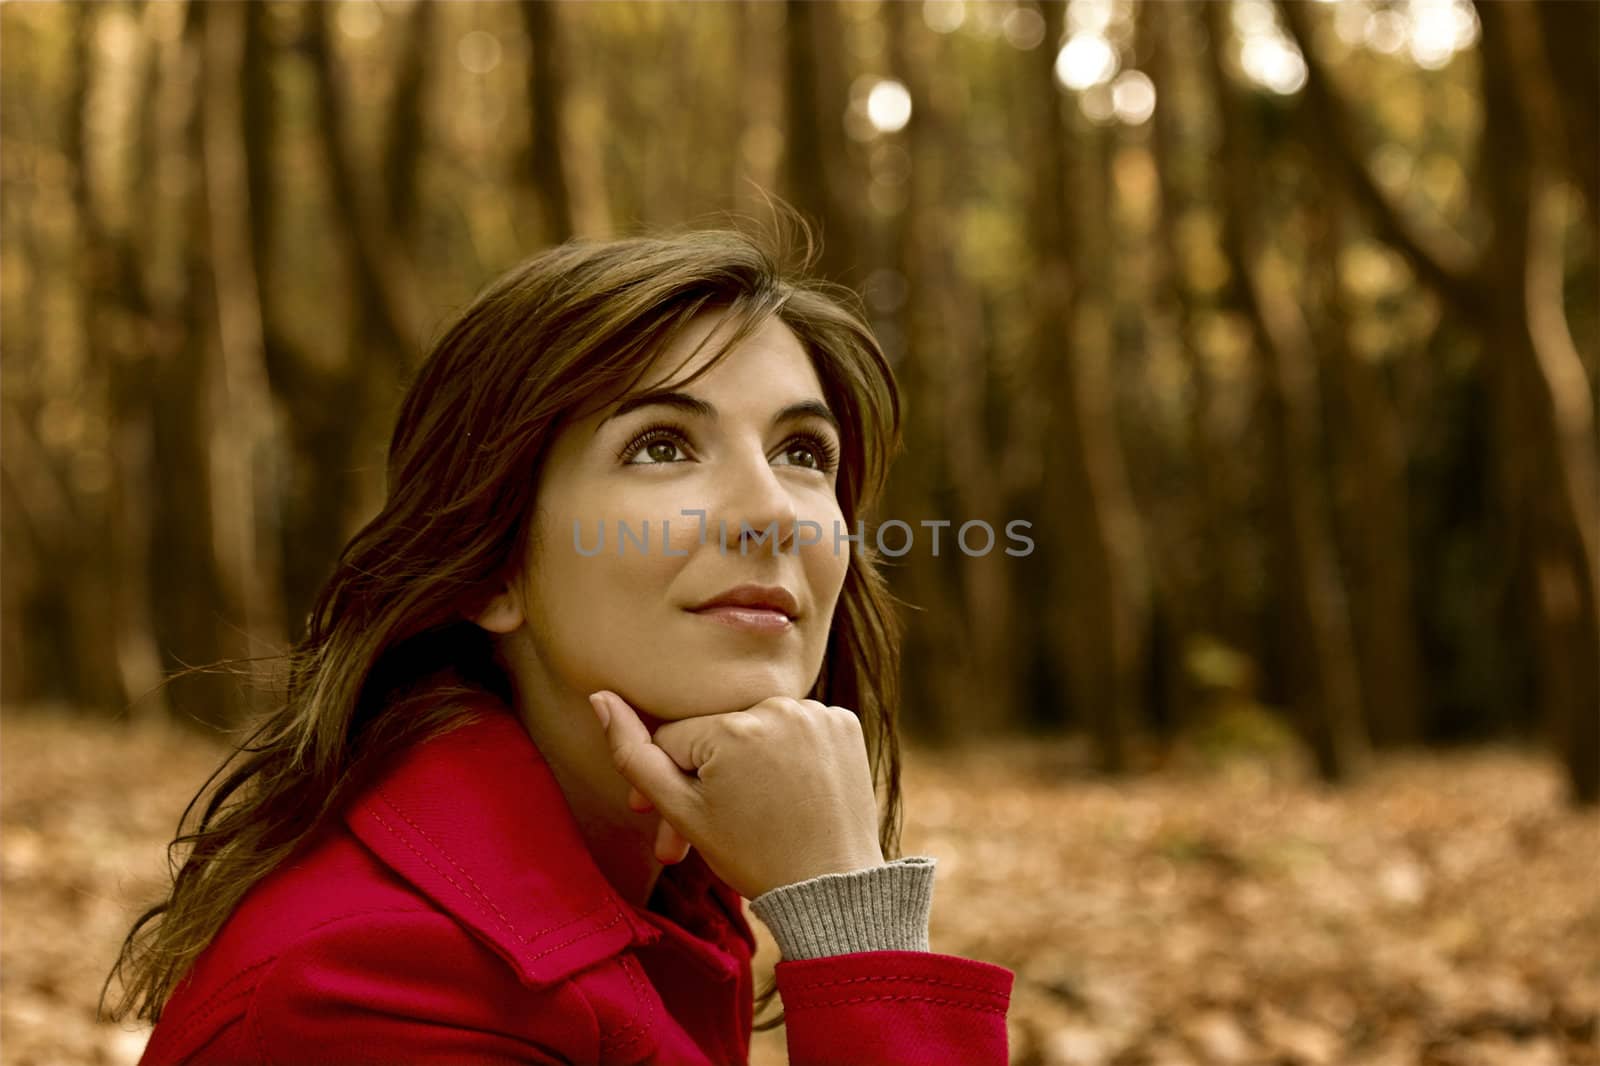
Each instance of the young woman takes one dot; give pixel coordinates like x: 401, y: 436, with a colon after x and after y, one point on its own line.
x: 613, y: 656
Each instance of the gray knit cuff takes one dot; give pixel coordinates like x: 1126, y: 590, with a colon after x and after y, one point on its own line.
x: 881, y: 908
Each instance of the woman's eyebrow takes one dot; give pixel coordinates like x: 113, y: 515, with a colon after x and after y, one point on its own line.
x: 807, y: 409
x: 695, y: 406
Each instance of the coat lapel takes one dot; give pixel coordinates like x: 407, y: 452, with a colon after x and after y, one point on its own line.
x: 476, y: 821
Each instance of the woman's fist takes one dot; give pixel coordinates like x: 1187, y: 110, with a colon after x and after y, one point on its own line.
x: 771, y: 795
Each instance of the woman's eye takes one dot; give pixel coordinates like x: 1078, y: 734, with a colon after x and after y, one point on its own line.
x: 654, y: 447
x: 813, y: 453
x: 802, y: 455
x: 661, y: 451
x: 658, y: 446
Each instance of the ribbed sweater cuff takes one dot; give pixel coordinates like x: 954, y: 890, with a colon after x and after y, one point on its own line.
x: 882, y: 908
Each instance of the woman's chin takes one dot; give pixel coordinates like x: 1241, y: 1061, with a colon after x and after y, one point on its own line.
x: 724, y: 694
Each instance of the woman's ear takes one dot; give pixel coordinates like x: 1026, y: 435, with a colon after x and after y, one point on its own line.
x: 503, y: 612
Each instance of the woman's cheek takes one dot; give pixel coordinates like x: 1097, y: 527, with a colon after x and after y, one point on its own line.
x: 827, y: 562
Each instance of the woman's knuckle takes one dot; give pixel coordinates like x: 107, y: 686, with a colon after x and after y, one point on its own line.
x: 784, y: 709
x: 741, y: 725
x: 845, y: 718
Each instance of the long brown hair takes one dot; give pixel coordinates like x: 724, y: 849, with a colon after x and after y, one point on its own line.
x: 389, y: 655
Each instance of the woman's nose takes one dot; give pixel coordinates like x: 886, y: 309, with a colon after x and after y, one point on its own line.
x: 757, y: 507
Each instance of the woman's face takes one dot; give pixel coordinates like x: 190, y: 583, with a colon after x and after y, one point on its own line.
x: 752, y: 445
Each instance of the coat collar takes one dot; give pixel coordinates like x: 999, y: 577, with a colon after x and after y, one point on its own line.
x: 476, y: 821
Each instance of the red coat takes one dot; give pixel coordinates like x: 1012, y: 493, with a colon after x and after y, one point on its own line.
x: 453, y: 914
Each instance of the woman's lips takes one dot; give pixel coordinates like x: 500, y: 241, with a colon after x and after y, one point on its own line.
x: 749, y: 619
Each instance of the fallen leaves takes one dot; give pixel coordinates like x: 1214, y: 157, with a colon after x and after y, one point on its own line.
x: 1443, y: 912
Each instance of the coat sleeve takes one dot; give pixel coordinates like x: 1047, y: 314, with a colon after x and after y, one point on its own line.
x: 895, y: 1008
x: 413, y: 987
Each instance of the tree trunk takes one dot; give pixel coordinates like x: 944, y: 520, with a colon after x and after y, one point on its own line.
x: 758, y: 115
x: 546, y: 102
x: 816, y: 163
x: 385, y: 283
x: 1321, y: 661
x: 931, y: 683
x: 407, y: 123
x: 1550, y: 472
x: 244, y: 447
x: 186, y: 589
x: 113, y: 292
x: 1085, y: 487
x: 965, y: 655
x: 1370, y: 468
x: 1568, y: 32
x: 1205, y: 596
x: 1511, y: 291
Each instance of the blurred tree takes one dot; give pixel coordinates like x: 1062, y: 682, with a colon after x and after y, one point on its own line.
x: 228, y: 232
x: 188, y: 592
x: 1568, y: 33
x: 1091, y: 522
x: 546, y: 101
x: 319, y: 435
x: 817, y: 173
x: 1368, y: 449
x: 933, y: 329
x: 244, y: 451
x: 405, y: 142
x: 1189, y: 555
x: 116, y: 315
x: 1510, y: 289
x: 937, y: 685
x: 385, y: 284
x: 1323, y: 675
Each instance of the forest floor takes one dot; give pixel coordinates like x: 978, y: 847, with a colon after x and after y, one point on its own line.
x: 1443, y: 912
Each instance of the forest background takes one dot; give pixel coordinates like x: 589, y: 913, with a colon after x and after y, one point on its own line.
x: 1278, y: 322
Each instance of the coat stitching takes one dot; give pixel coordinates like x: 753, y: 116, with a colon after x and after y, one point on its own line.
x: 210, y: 1004
x: 586, y: 934
x: 630, y: 967
x: 552, y: 949
x: 809, y: 985
x: 475, y: 887
x: 630, y: 1032
x: 480, y: 893
x: 899, y: 999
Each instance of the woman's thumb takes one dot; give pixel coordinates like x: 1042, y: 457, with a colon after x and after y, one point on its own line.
x: 637, y: 758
